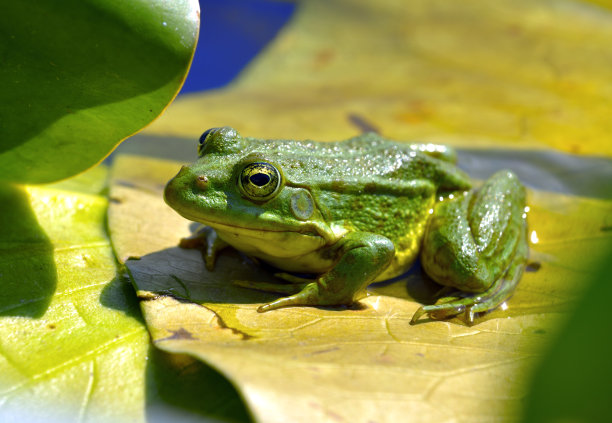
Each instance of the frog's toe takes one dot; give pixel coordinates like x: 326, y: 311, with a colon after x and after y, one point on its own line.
x: 294, y: 279
x: 281, y: 288
x: 309, y: 295
x: 441, y: 311
x: 209, y: 261
x: 191, y: 243
x: 452, y: 309
x: 417, y: 315
x: 468, y: 304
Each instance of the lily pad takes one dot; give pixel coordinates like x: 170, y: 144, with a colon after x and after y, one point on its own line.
x: 62, y: 327
x: 73, y: 345
x: 368, y: 362
x: 467, y: 73
x: 79, y: 76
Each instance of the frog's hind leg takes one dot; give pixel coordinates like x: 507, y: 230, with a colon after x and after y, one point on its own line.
x: 469, y: 303
x: 476, y: 242
x: 438, y: 151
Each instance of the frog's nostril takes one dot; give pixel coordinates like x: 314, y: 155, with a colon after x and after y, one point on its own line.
x: 202, y: 182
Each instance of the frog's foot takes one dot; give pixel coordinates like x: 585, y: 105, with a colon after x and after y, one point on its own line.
x: 469, y: 305
x: 300, y: 291
x: 307, y: 296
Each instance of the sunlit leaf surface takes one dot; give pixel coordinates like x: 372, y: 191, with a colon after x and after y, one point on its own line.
x: 78, y: 76
x: 466, y: 72
x: 70, y: 343
x: 358, y: 364
x: 73, y: 346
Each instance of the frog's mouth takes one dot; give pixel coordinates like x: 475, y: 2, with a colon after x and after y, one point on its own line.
x: 262, y: 235
x: 269, y: 242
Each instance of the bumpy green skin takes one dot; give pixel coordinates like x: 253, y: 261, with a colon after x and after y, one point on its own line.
x: 354, y: 212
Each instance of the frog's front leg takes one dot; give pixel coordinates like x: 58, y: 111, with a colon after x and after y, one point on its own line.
x: 360, y: 256
x: 476, y: 242
x: 208, y: 242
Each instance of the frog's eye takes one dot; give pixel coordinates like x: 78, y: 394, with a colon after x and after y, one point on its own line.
x: 260, y: 181
x: 203, y: 138
x: 206, y: 134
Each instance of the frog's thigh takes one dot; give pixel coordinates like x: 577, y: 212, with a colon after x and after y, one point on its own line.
x: 361, y: 257
x: 476, y: 242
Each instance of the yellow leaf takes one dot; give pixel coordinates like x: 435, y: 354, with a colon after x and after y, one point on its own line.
x: 529, y: 73
x: 365, y: 363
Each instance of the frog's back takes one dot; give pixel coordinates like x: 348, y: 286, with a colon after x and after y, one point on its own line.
x: 369, y: 184
x: 361, y: 158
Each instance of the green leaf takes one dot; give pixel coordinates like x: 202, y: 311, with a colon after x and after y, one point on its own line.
x: 67, y: 349
x: 572, y: 382
x: 78, y: 76
x: 73, y: 346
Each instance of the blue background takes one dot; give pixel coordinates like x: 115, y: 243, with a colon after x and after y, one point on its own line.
x: 232, y: 32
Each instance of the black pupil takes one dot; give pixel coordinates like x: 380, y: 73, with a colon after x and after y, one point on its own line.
x: 203, y: 137
x: 205, y: 134
x: 259, y: 179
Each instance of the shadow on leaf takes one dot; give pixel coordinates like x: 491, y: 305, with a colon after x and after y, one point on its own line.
x: 119, y: 295
x: 27, y: 268
x: 181, y: 274
x: 179, y: 388
x: 179, y: 385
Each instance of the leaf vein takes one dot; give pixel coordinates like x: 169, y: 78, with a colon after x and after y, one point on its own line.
x: 72, y: 362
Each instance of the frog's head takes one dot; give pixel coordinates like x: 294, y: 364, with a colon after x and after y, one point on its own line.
x: 238, y: 185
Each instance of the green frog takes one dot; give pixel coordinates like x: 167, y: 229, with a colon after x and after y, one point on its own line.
x: 354, y: 212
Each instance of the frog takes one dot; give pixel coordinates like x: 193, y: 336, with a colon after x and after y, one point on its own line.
x: 335, y: 217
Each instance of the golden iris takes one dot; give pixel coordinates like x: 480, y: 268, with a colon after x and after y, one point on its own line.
x: 260, y: 181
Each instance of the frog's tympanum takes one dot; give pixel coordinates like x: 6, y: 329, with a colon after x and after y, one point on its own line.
x: 355, y: 212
